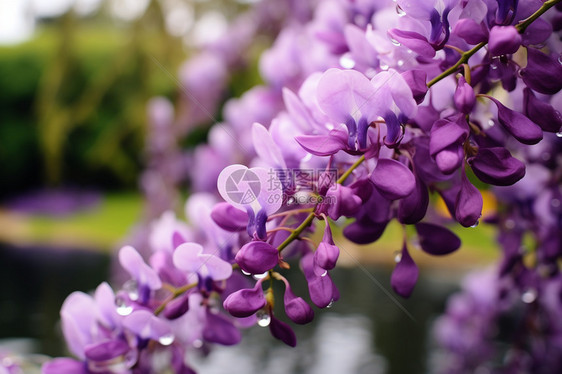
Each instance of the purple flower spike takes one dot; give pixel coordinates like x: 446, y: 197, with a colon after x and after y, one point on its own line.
x: 64, y: 366
x: 437, y: 240
x: 280, y: 330
x: 412, y: 208
x: 416, y: 42
x: 541, y: 113
x: 496, y: 166
x: 245, y: 302
x: 257, y: 257
x: 106, y: 350
x: 229, y: 218
x: 147, y: 326
x: 504, y: 40
x: 468, y: 206
x: 342, y: 201
x: 327, y: 253
x: 464, y: 96
x: 218, y: 329
x: 296, y: 308
x: 542, y: 73
x: 416, y: 79
x: 521, y: 127
x: 405, y: 274
x: 470, y: 31
x: 393, y: 179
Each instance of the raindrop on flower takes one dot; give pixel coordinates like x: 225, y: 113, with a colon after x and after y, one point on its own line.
x: 491, y: 123
x: 197, y: 343
x: 346, y: 61
x: 560, y: 59
x: 324, y: 273
x: 291, y: 201
x: 559, y: 134
x: 330, y: 304
x: 384, y: 67
x: 397, y: 256
x: 475, y: 224
x: 166, y: 339
x: 260, y: 276
x: 264, y: 318
x: 395, y: 42
x: 132, y: 289
x: 400, y: 11
x: 123, y: 308
x: 246, y: 273
x: 529, y: 296
x: 400, y: 63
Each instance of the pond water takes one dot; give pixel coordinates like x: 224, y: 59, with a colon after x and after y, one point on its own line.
x: 370, y: 330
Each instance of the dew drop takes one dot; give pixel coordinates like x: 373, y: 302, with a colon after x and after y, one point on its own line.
x: 560, y: 59
x: 245, y: 272
x: 475, y: 224
x: 291, y: 201
x: 132, y: 289
x: 264, y: 319
x: 400, y: 63
x: 529, y: 296
x: 346, y: 61
x: 324, y: 273
x: 197, y: 343
x: 491, y: 122
x: 330, y: 304
x: 395, y: 42
x: 384, y: 67
x: 166, y: 339
x: 260, y: 276
x: 400, y: 11
x: 123, y: 308
x: 397, y: 256
x: 559, y: 134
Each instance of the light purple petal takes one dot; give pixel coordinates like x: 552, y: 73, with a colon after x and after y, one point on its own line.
x: 416, y: 42
x: 132, y: 261
x: 393, y: 179
x: 146, y: 325
x: 323, y: 145
x: 64, y: 366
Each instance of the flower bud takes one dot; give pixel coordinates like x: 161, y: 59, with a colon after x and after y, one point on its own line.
x: 405, y: 274
x: 496, y: 166
x: 245, y: 302
x: 177, y: 307
x: 257, y: 257
x: 468, y: 207
x: 518, y: 125
x: 470, y: 31
x: 504, y: 40
x: 280, y: 330
x: 229, y: 218
x: 464, y: 96
x: 296, y: 308
x: 327, y: 253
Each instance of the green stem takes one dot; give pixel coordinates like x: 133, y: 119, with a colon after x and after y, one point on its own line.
x: 465, y: 56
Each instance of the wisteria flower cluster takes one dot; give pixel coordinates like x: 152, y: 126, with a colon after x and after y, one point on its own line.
x: 369, y: 107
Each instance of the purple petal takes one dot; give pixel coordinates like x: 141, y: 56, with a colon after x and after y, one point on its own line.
x: 361, y: 233
x: 416, y: 80
x: 393, y: 179
x: 470, y: 31
x: 245, y: 302
x: 106, y: 350
x: 280, y: 330
x: 541, y: 113
x: 78, y: 316
x: 416, y: 42
x: 412, y: 208
x: 464, y: 96
x: 446, y: 132
x: 504, y: 40
x: 326, y: 255
x: 468, y: 207
x: 342, y: 201
x: 266, y: 148
x: 146, y: 325
x: 220, y: 330
x: 132, y: 261
x: 229, y: 218
x: 64, y: 366
x: 537, y: 32
x: 257, y: 257
x: 518, y: 125
x: 177, y: 307
x: 496, y: 166
x: 542, y: 73
x: 405, y: 275
x: 323, y: 145
x: 450, y: 159
x: 437, y: 240
x: 322, y: 289
x: 296, y: 308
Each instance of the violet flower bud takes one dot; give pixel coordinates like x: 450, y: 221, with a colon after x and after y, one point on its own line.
x: 504, y: 40
x: 437, y: 240
x: 470, y: 31
x: 257, y: 257
x: 177, y: 307
x: 229, y: 218
x: 218, y: 329
x: 405, y: 274
x: 296, y: 308
x: 464, y: 96
x: 341, y: 201
x: 393, y: 179
x: 245, y: 302
x: 541, y: 113
x: 327, y: 253
x: 468, y: 207
x: 496, y: 166
x: 543, y: 73
x: 517, y: 124
x: 280, y: 330
x: 322, y: 289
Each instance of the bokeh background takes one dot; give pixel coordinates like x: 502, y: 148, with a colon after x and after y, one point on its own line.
x: 76, y: 77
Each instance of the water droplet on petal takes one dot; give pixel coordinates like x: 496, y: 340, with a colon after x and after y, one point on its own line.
x: 560, y: 59
x: 166, y: 339
x: 529, y: 296
x: 324, y: 273
x: 198, y: 343
x: 384, y: 67
x: 123, y: 308
x: 491, y: 122
x: 330, y: 304
x: 291, y: 201
x: 559, y: 134
x: 346, y: 61
x: 260, y: 276
x: 400, y: 63
x: 395, y: 42
x: 400, y: 11
x: 397, y: 256
x: 246, y: 273
x: 264, y: 319
x: 132, y: 289
x: 476, y: 224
